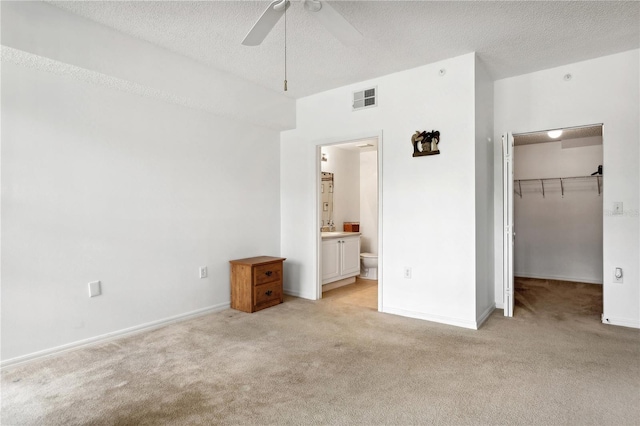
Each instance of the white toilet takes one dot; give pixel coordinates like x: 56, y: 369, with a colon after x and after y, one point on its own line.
x: 368, y: 266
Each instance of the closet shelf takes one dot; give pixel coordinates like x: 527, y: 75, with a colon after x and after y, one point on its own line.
x: 561, y: 179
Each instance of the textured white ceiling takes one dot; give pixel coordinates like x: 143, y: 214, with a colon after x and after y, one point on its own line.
x: 567, y: 134
x: 511, y: 38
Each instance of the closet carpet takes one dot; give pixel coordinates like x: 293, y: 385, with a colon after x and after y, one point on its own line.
x: 305, y: 362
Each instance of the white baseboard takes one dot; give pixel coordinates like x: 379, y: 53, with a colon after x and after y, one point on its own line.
x: 499, y: 305
x: 558, y: 278
x: 299, y: 294
x: 483, y: 317
x: 112, y: 336
x: 624, y: 322
x: 434, y: 318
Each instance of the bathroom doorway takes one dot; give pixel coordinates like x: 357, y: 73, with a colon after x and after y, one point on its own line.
x: 557, y: 223
x: 348, y: 222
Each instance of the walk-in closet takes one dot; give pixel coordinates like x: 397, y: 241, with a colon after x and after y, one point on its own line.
x: 558, y: 210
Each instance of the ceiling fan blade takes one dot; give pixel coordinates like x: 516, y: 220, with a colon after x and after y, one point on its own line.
x: 267, y: 21
x: 333, y: 21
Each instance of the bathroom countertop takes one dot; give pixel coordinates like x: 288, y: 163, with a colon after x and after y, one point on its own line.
x: 338, y: 234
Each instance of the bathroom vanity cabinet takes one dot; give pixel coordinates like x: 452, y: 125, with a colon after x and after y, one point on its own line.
x: 256, y: 283
x: 340, y: 256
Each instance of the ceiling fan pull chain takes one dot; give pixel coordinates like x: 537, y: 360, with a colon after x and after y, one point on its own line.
x: 285, y: 47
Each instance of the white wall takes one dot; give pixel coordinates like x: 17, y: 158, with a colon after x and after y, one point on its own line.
x: 558, y: 237
x: 100, y: 182
x: 485, y: 298
x: 345, y: 166
x: 603, y: 90
x: 428, y: 202
x: 369, y: 202
x: 43, y: 36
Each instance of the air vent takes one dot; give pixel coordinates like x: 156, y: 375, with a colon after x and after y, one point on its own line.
x: 365, y: 99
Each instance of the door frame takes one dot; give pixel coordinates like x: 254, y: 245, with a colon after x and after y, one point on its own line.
x: 507, y: 224
x: 374, y: 134
x: 506, y: 255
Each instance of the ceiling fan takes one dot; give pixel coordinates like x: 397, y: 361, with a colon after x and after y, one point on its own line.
x: 321, y: 10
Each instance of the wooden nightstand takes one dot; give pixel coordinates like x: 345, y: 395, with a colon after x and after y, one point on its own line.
x: 256, y: 283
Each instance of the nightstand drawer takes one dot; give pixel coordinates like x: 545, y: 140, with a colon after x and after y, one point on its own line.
x: 263, y: 294
x: 267, y: 273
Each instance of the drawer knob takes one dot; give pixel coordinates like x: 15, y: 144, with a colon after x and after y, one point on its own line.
x: 268, y: 273
x: 268, y: 293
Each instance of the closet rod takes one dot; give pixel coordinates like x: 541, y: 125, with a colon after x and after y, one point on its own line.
x: 561, y: 179
x: 557, y: 178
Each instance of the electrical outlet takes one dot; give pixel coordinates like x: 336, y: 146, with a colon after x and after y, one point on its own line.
x: 94, y: 289
x: 203, y: 272
x: 617, y: 275
x: 407, y: 272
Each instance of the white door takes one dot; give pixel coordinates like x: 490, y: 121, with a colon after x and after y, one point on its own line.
x: 351, y: 256
x: 330, y: 259
x: 509, y: 234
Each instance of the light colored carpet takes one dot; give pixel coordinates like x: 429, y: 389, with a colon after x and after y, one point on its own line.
x: 305, y: 362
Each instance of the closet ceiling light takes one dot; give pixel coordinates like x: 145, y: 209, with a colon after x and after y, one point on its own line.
x: 554, y: 134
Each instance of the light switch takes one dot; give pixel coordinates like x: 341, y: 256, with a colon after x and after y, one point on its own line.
x: 94, y: 289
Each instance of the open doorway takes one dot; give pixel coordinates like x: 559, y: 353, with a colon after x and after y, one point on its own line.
x: 557, y: 239
x: 348, y: 222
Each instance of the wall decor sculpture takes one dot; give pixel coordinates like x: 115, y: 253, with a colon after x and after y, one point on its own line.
x: 425, y: 143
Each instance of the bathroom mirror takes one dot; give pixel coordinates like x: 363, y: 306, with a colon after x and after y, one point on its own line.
x: 326, y: 189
